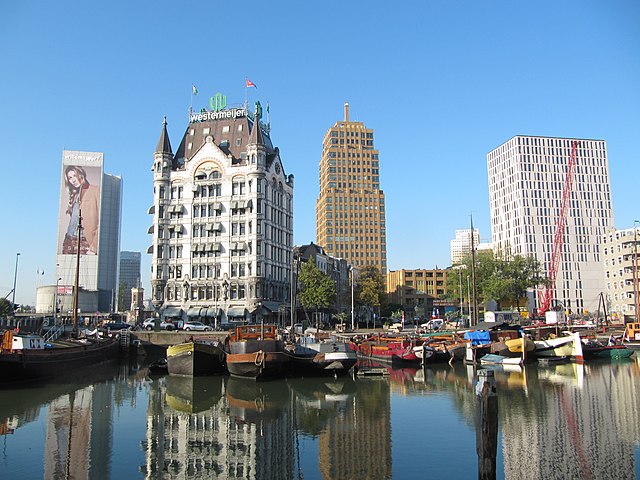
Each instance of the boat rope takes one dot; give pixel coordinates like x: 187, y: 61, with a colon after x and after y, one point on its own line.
x: 259, y: 360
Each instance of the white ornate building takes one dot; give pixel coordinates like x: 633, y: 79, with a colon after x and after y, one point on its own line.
x: 222, y: 221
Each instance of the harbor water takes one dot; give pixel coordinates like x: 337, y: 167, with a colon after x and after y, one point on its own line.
x: 563, y: 421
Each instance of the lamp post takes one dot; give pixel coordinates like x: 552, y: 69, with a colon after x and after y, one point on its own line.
x: 15, y: 278
x: 352, y: 303
x: 636, y: 300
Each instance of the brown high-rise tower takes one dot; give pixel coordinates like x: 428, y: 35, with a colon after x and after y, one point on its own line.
x: 350, y: 219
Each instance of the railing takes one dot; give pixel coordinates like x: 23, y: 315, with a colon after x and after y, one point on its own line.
x: 53, y: 333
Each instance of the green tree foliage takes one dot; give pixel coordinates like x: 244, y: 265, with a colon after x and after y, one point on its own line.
x: 317, y: 290
x: 5, y: 307
x: 122, y: 292
x: 371, y: 286
x: 504, y: 279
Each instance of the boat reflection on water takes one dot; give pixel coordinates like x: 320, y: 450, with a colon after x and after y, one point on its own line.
x: 323, y: 394
x: 252, y: 402
x: 193, y: 394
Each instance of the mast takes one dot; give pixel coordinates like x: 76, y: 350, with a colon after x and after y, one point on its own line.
x: 75, y: 288
x: 474, y: 319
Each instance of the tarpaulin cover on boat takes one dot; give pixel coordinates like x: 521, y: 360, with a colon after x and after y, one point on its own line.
x: 479, y: 337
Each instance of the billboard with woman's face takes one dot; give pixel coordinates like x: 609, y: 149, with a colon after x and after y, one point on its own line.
x: 80, y: 199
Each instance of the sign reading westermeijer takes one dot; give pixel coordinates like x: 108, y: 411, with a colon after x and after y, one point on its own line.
x: 217, y: 103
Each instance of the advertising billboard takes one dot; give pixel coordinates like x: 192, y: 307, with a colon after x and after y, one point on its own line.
x: 80, y: 197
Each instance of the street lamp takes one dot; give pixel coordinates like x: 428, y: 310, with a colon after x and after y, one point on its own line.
x: 352, y: 303
x: 636, y: 300
x: 15, y: 278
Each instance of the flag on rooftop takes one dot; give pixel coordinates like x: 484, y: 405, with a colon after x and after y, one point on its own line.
x: 194, y: 90
x: 250, y: 83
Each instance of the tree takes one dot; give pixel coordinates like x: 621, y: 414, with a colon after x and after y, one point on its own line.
x: 5, y: 307
x: 122, y: 296
x: 317, y: 290
x: 371, y: 285
x: 503, y: 278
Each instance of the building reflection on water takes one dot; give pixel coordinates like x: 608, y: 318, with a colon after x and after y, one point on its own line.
x: 556, y: 421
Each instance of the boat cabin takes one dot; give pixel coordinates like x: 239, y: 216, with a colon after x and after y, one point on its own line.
x: 12, y: 342
x: 632, y: 332
x: 254, y: 332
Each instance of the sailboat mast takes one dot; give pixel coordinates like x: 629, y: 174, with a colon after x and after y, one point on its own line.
x: 76, y: 286
x: 474, y: 294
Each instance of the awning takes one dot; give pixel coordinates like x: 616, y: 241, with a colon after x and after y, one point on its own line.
x: 172, y: 312
x: 212, y: 312
x: 241, y: 246
x: 209, y: 247
x: 171, y: 227
x: 195, y: 311
x: 150, y: 230
x: 217, y: 247
x: 217, y: 227
x: 236, y: 312
x: 152, y: 210
x: 150, y: 249
x: 234, y: 204
x: 248, y: 204
x: 271, y: 306
x: 217, y: 206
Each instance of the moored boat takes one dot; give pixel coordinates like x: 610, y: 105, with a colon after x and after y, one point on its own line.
x: 389, y: 350
x: 596, y: 349
x: 254, y: 351
x: 27, y: 356
x: 316, y: 357
x: 195, y: 358
x: 631, y: 337
x: 567, y: 345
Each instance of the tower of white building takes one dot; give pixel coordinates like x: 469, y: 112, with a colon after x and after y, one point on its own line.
x: 526, y: 184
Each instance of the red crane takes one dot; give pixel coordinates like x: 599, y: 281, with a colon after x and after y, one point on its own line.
x: 547, y: 293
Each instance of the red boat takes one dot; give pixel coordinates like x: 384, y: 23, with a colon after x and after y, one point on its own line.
x: 394, y: 351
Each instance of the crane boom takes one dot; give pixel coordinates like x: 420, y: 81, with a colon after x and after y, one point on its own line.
x: 547, y: 293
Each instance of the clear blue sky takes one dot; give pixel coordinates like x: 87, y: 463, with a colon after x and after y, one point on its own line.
x: 441, y: 82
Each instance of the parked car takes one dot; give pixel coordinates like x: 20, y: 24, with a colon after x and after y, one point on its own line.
x: 435, y: 324
x: 196, y: 327
x: 117, y: 326
x: 164, y: 325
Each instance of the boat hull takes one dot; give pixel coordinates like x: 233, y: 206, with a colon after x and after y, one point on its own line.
x: 25, y: 365
x: 195, y: 359
x: 566, y: 346
x: 322, y: 364
x: 258, y: 365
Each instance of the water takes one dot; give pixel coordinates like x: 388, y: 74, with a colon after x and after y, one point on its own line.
x: 555, y: 422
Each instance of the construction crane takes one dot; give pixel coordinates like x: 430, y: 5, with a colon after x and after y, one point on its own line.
x: 547, y: 293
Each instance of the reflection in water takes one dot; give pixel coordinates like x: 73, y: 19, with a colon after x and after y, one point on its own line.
x: 556, y: 421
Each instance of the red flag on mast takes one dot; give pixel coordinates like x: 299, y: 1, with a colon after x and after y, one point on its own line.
x: 250, y: 83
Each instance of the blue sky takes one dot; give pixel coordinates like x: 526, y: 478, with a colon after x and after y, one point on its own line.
x: 441, y: 82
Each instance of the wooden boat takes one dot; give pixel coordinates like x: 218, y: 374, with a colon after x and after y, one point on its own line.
x: 195, y: 358
x: 310, y: 356
x: 595, y: 349
x: 390, y: 350
x: 25, y: 357
x: 254, y: 351
x: 159, y: 367
x: 566, y: 345
x: 28, y: 356
x: 492, y: 359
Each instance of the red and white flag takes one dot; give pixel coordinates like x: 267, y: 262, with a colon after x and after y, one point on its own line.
x: 250, y: 83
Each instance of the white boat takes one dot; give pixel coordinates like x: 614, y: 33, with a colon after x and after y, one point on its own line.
x: 567, y: 345
x: 492, y: 359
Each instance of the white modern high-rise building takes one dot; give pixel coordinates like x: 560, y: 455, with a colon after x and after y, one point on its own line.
x: 526, y: 184
x: 461, y: 245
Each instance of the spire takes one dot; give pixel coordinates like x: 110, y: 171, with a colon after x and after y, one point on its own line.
x: 256, y: 134
x: 164, y: 146
x: 346, y: 112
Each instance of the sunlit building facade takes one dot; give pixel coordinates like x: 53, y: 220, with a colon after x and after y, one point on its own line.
x: 350, y: 209
x: 222, y: 232
x: 526, y: 184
